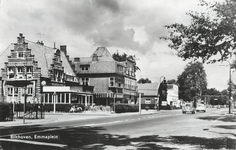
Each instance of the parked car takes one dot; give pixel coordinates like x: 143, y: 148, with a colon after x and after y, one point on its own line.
x: 201, y: 107
x: 75, y: 109
x: 188, y: 107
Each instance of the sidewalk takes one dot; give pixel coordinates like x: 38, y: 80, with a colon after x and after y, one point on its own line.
x: 60, y: 117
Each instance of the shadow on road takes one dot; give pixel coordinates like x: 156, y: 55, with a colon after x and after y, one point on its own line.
x: 220, y: 118
x: 92, y: 138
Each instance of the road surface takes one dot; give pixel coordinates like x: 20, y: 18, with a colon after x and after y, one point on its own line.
x: 168, y: 129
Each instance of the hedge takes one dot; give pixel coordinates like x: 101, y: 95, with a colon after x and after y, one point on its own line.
x: 5, y: 111
x: 61, y: 107
x: 122, y: 108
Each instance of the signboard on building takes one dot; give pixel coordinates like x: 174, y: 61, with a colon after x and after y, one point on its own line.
x: 56, y: 89
x: 147, y: 101
x: 164, y: 103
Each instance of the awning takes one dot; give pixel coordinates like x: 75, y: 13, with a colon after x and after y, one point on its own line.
x: 18, y: 83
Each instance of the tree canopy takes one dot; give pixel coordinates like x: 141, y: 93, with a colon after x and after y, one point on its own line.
x: 117, y: 57
x: 210, y: 36
x: 172, y: 81
x: 192, y: 82
x: 143, y: 81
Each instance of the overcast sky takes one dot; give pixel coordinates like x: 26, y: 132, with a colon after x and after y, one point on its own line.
x: 127, y: 26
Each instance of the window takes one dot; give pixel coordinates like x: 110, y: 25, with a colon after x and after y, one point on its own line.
x: 120, y: 68
x: 85, y: 81
x: 20, y: 54
x: 10, y: 91
x: 29, y: 69
x: 20, y: 69
x: 84, y: 67
x: 10, y: 70
x: 30, y: 90
x: 112, y: 81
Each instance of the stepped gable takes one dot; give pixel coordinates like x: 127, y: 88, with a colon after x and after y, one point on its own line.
x: 42, y: 54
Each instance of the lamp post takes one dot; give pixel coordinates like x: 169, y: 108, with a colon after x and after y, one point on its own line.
x: 230, y: 88
x: 25, y: 96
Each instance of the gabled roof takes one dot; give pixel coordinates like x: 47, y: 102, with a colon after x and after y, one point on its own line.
x: 149, y: 89
x: 43, y: 55
x: 4, y: 57
x: 103, y: 54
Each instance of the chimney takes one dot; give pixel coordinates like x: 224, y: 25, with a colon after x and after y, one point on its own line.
x: 63, y: 49
x: 21, y: 38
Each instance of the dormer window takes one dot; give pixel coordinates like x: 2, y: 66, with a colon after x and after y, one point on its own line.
x: 84, y: 67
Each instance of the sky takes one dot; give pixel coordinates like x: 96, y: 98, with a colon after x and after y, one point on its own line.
x: 133, y: 27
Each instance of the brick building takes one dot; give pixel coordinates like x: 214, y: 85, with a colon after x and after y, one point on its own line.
x: 112, y: 80
x: 38, y: 73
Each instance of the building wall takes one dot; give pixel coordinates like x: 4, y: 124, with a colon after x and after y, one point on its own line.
x: 1, y: 90
x: 101, y: 68
x: 52, y: 71
x: 100, y: 84
x: 173, y: 95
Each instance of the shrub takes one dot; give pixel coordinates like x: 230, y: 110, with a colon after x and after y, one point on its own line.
x: 5, y: 111
x: 19, y: 107
x: 122, y: 108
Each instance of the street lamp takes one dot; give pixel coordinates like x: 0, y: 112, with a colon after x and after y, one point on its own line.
x: 230, y: 88
x: 25, y: 96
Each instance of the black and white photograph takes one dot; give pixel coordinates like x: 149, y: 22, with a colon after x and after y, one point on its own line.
x: 117, y: 74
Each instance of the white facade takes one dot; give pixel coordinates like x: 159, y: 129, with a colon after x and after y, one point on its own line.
x: 173, y: 95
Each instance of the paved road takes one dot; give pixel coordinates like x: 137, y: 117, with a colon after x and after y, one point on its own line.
x: 163, y: 130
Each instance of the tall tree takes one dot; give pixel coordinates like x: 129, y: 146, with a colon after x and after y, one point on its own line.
x: 211, y: 35
x: 192, y: 82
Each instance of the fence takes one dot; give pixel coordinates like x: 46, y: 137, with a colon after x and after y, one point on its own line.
x: 33, y: 111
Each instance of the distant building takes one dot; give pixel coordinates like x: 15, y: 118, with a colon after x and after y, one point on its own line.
x: 38, y: 73
x: 113, y: 81
x: 173, y: 95
x: 149, y: 96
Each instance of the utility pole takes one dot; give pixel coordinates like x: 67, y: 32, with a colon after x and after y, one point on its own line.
x: 230, y: 88
x: 25, y: 89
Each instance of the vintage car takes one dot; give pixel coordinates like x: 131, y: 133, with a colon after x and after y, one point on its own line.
x: 201, y: 107
x: 188, y: 107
